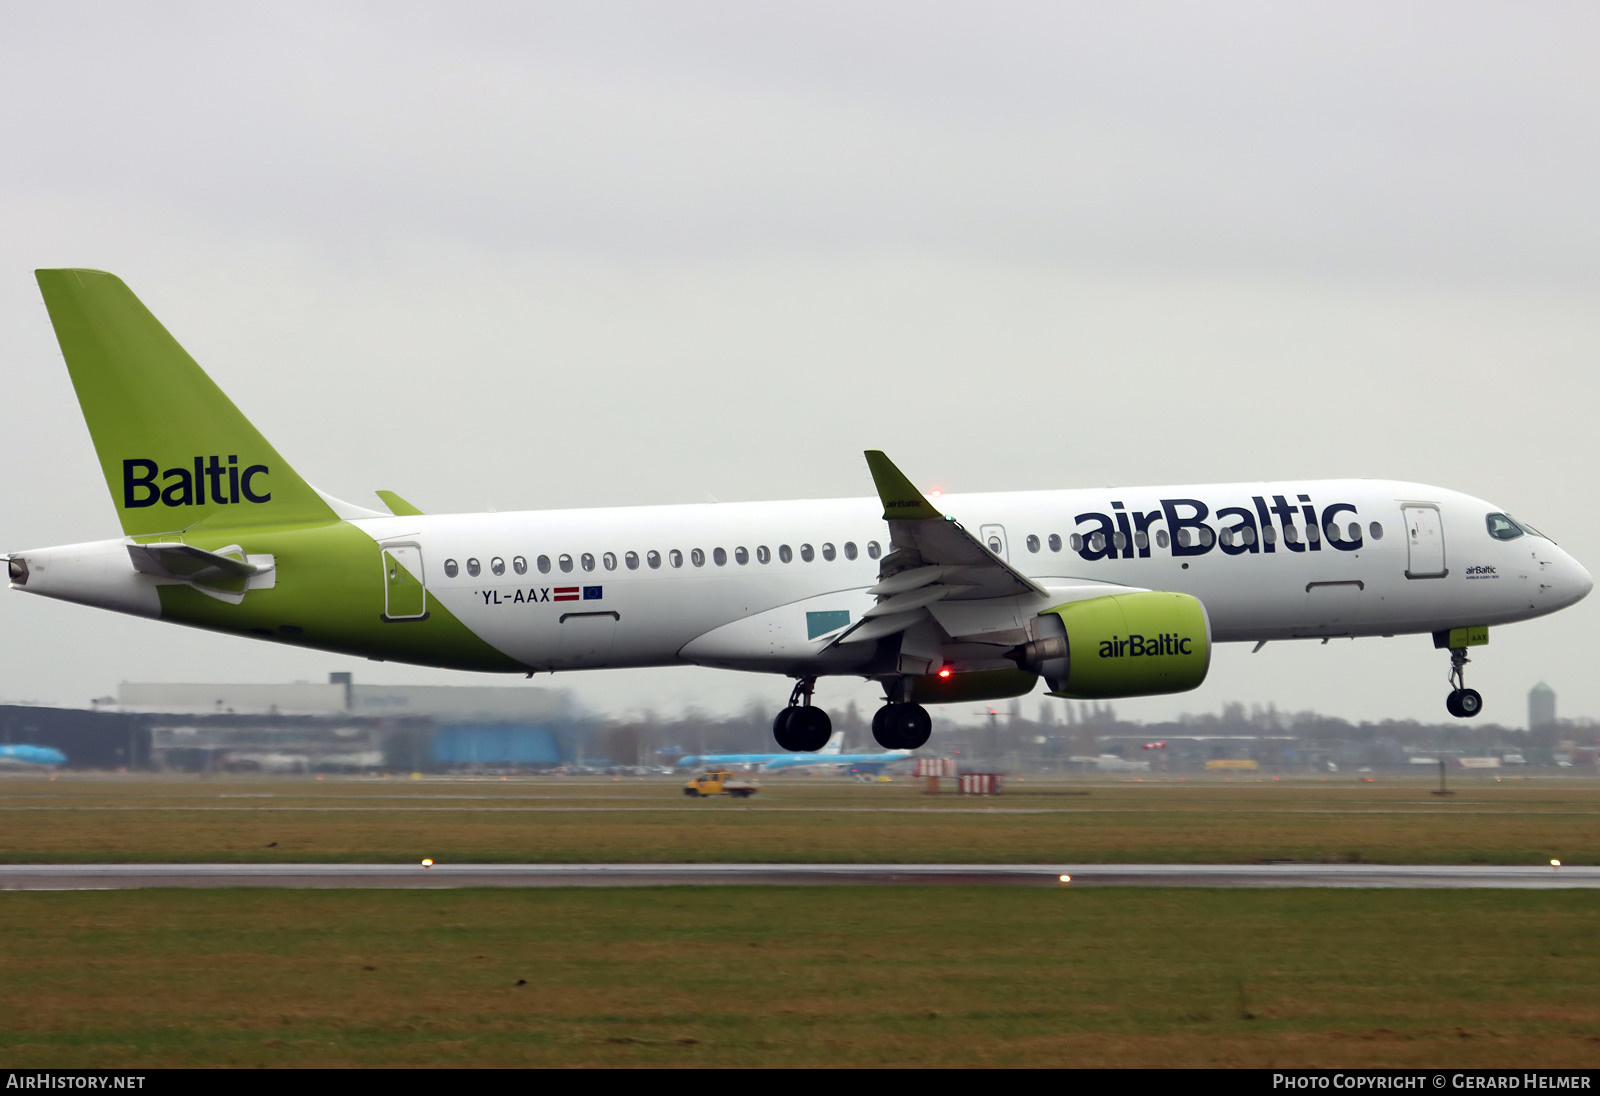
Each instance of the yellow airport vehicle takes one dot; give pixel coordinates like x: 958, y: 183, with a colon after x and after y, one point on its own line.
x: 720, y: 782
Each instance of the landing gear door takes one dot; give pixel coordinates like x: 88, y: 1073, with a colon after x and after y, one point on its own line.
x: 994, y: 539
x: 405, y: 593
x: 1424, y: 542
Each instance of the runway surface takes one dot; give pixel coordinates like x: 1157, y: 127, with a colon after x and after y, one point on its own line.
x: 414, y: 876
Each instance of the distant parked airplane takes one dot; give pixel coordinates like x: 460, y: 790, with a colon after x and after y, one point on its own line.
x: 19, y: 757
x: 829, y: 755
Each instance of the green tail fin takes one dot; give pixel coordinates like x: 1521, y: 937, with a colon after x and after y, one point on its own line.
x: 175, y: 451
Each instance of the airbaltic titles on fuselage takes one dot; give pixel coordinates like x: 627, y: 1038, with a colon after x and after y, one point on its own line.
x: 1125, y: 534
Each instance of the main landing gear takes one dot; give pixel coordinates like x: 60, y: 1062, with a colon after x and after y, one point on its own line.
x: 801, y: 728
x: 903, y: 726
x: 1463, y: 703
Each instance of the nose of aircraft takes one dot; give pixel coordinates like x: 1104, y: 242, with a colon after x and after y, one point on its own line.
x: 1573, y: 582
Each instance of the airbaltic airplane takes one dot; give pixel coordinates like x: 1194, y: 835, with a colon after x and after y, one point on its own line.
x: 1103, y: 593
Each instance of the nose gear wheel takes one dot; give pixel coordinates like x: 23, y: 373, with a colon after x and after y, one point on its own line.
x: 1463, y: 703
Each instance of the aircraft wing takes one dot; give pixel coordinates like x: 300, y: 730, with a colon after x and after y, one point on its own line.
x: 931, y: 559
x: 921, y: 537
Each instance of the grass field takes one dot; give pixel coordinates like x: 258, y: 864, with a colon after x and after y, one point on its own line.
x: 795, y: 820
x: 800, y: 976
x: 766, y: 976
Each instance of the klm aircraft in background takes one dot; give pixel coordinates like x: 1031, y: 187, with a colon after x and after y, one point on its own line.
x: 1103, y: 593
x: 831, y: 754
x: 30, y: 757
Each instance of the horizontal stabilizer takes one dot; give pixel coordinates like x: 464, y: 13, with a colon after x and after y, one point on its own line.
x: 228, y: 572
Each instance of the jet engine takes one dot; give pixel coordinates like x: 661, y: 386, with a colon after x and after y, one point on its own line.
x: 1135, y: 644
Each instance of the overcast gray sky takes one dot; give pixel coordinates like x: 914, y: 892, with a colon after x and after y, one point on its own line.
x: 526, y: 255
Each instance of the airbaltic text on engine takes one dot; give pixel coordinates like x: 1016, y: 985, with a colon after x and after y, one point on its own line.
x: 1137, y: 646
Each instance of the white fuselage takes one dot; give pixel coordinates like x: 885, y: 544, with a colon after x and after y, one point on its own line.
x: 1271, y: 582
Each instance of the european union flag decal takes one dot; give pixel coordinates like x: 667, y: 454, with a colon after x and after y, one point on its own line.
x: 591, y: 593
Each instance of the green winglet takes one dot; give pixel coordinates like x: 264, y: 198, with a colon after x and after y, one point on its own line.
x: 398, y: 506
x: 901, y: 501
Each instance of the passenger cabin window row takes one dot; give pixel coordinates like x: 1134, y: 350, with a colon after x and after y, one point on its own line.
x: 674, y: 557
x: 1292, y: 534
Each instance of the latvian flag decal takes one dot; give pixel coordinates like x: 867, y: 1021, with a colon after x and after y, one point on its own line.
x: 576, y: 593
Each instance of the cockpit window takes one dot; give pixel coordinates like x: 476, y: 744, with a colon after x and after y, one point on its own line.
x: 1501, y: 527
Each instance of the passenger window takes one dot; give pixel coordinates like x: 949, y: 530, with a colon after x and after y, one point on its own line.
x: 1247, y: 535
x: 1076, y: 542
x: 849, y: 549
x: 1355, y: 530
x: 1097, y: 542
x: 1332, y: 532
x: 451, y: 570
x: 1162, y: 540
x: 1226, y: 537
x: 497, y: 565
x: 675, y: 558
x: 519, y: 565
x: 586, y: 561
x: 473, y: 568
x: 763, y: 554
x: 827, y: 552
x: 1033, y: 543
x: 1269, y: 535
x: 719, y: 556
x: 1119, y: 541
x: 1313, y: 534
x: 1141, y: 540
x: 1055, y: 542
x: 610, y: 561
x: 1291, y: 535
x: 784, y: 554
x: 697, y: 557
x: 631, y: 561
x: 564, y: 562
x: 741, y: 555
x: 1376, y: 531
x: 1185, y: 538
x: 543, y: 563
x: 873, y: 551
x: 653, y: 558
x: 807, y: 553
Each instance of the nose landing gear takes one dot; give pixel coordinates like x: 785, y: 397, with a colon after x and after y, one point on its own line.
x: 800, y: 728
x: 1463, y: 703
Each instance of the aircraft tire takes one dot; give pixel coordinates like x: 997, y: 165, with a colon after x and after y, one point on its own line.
x: 809, y: 728
x: 902, y: 726
x: 780, y: 729
x: 1469, y: 702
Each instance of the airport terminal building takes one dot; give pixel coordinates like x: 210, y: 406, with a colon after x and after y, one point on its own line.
x: 337, y: 726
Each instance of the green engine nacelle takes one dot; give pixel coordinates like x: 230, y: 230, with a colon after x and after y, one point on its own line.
x: 1139, y: 644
